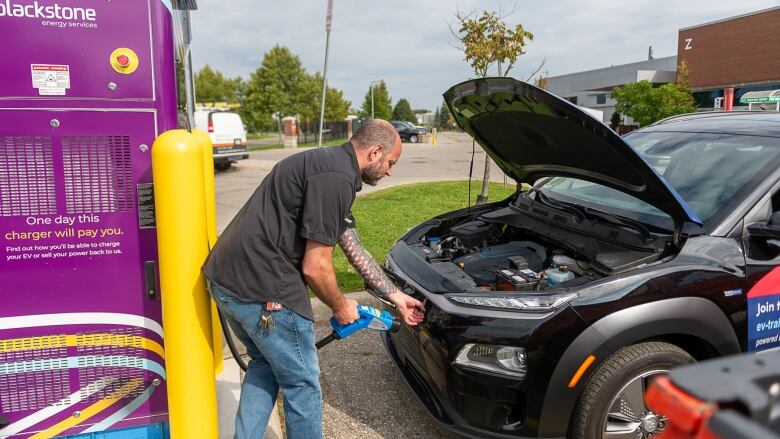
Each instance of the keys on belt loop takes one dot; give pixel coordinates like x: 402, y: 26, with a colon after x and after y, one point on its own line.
x: 266, y: 322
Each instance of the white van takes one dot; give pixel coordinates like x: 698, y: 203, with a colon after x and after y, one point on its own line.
x: 227, y: 134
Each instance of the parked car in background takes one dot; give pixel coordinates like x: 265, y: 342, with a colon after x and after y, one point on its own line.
x: 227, y: 134
x: 548, y: 312
x: 408, y: 131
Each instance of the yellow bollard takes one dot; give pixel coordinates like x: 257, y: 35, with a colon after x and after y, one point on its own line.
x: 434, y: 136
x: 211, y: 228
x: 180, y: 206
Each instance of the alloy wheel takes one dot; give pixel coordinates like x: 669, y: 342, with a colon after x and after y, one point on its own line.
x: 628, y: 417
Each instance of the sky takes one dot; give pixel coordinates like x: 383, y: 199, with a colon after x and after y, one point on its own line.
x: 408, y: 43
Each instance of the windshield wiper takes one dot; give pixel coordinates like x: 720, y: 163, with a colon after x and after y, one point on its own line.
x: 619, y: 221
x: 556, y: 204
x: 584, y: 213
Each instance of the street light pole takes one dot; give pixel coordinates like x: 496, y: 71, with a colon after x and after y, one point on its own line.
x: 328, y: 21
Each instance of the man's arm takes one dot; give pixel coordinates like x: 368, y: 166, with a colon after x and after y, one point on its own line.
x: 318, y: 270
x: 411, y: 309
x: 365, y: 264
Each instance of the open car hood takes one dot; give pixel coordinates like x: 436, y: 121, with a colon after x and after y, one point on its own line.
x: 531, y: 134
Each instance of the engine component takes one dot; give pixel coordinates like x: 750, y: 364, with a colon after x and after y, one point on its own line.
x: 518, y: 262
x: 509, y: 280
x: 472, y: 234
x: 455, y: 275
x: 558, y: 275
x: 574, y: 265
x: 483, y: 264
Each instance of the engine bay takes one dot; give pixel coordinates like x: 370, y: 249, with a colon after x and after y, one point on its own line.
x: 506, y: 249
x: 478, y: 255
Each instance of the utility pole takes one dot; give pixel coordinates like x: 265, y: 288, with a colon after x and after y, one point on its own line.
x: 328, y: 22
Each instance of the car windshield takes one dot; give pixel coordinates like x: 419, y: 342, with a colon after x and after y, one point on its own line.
x: 709, y: 171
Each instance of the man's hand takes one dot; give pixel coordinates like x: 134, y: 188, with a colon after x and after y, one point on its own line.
x: 411, y: 309
x: 346, y: 313
x: 318, y: 270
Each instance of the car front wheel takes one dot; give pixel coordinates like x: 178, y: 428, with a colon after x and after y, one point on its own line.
x: 222, y: 166
x: 612, y: 405
x: 413, y: 138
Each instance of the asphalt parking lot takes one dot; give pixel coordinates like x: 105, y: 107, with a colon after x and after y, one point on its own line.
x: 364, y: 394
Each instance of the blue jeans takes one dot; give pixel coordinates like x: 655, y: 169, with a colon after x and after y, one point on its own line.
x: 284, y: 357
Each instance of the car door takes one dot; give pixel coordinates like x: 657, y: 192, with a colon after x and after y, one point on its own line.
x: 761, y: 239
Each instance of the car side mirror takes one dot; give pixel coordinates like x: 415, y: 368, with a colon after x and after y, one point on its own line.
x: 774, y: 221
x: 770, y: 229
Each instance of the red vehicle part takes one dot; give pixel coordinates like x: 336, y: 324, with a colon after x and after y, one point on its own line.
x: 730, y: 398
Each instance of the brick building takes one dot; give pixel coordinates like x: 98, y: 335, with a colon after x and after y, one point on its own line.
x: 741, y: 54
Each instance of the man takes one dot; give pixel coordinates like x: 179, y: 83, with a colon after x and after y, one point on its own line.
x: 281, y: 241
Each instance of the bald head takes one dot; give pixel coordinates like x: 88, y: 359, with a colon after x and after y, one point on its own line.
x: 376, y: 132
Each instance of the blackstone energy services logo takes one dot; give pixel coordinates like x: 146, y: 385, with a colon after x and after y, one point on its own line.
x: 50, y: 15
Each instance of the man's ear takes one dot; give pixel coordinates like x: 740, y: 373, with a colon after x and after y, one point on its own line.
x: 375, y: 153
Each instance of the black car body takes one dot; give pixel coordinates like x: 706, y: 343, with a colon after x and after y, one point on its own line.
x: 657, y: 282
x: 408, y: 131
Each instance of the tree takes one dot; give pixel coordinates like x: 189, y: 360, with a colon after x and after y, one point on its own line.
x: 280, y: 85
x: 383, y: 107
x: 542, y: 81
x: 336, y: 107
x: 485, y: 41
x: 682, y: 82
x: 403, y: 111
x: 443, y: 119
x: 647, y: 104
x: 211, y: 86
x: 614, y: 121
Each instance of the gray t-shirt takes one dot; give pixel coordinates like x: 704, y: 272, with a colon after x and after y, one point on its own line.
x: 306, y: 196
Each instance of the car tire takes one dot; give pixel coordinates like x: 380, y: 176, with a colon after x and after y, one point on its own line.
x: 413, y: 138
x: 609, y: 402
x: 222, y: 166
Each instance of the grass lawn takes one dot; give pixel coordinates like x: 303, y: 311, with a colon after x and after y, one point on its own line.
x: 383, y: 216
x: 300, y: 145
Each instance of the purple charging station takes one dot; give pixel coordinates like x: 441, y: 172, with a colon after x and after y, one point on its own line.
x: 86, y: 87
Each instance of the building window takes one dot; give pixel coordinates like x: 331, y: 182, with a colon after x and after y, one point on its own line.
x: 601, y: 99
x: 572, y: 99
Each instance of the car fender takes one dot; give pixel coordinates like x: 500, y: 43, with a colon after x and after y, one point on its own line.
x: 692, y: 316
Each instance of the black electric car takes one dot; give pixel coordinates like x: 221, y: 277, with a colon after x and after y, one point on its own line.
x: 547, y: 312
x: 408, y: 131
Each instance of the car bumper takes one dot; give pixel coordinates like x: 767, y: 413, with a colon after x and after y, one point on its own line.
x: 438, y: 405
x: 468, y: 402
x: 230, y: 157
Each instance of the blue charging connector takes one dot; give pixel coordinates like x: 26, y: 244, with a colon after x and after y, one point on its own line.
x: 370, y: 318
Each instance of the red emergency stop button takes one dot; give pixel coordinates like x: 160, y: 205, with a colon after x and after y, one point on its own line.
x: 124, y: 60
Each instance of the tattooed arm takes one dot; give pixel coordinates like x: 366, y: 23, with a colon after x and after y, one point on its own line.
x: 365, y: 264
x: 369, y: 269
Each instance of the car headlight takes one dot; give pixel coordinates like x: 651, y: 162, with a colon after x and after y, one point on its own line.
x: 535, y: 302
x: 507, y: 360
